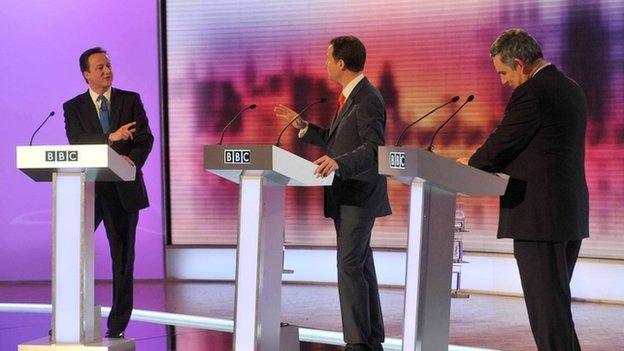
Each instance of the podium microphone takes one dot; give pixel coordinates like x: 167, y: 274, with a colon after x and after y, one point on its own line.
x: 250, y: 107
x: 41, y: 125
x: 398, y: 141
x: 303, y: 110
x: 430, y: 147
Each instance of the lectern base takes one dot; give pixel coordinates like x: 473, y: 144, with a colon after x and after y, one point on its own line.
x: 43, y: 344
x: 289, y: 338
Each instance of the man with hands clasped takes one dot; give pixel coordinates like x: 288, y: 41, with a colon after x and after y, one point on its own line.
x: 106, y: 115
x: 358, y: 193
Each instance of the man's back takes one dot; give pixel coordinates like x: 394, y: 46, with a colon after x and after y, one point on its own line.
x: 540, y: 144
x: 547, y: 197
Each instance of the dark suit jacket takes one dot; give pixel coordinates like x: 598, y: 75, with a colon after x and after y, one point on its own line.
x: 352, y: 141
x: 82, y: 126
x: 540, y: 144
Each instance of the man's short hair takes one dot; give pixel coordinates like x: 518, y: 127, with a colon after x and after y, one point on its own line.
x: 516, y: 44
x: 84, y: 58
x: 350, y: 50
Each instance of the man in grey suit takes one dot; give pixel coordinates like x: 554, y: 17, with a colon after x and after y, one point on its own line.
x: 358, y: 193
x: 540, y: 144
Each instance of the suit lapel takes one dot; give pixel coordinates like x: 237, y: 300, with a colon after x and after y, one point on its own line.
x: 115, y: 112
x: 347, y: 106
x: 340, y: 115
x: 90, y: 112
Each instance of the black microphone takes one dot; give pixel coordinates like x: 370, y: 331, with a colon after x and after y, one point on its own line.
x: 303, y: 110
x: 398, y: 141
x: 250, y: 107
x: 41, y: 125
x: 470, y: 98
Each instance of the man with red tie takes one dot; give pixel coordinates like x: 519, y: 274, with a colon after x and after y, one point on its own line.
x: 358, y: 193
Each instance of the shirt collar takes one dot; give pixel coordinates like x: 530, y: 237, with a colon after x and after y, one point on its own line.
x: 349, y: 87
x: 94, y: 96
x: 539, y: 69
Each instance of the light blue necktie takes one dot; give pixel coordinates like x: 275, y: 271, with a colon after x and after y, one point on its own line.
x: 104, y: 120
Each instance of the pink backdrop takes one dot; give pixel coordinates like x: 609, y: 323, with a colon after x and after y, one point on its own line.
x: 41, y: 43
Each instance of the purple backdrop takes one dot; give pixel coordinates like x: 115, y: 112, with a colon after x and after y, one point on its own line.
x: 40, y: 42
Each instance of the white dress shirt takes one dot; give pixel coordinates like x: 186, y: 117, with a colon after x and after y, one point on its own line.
x: 94, y: 98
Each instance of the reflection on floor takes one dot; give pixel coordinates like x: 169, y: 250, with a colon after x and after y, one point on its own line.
x: 16, y: 328
x: 480, y: 321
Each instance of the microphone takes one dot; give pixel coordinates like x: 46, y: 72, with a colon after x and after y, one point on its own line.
x: 398, y: 141
x: 250, y: 107
x: 41, y: 125
x: 303, y: 110
x: 468, y: 99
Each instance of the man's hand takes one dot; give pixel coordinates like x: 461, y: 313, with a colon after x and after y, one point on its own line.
x: 463, y: 160
x: 326, y: 165
x: 129, y: 160
x: 288, y: 114
x: 123, y: 133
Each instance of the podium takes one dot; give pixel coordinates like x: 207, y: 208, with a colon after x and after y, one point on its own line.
x: 262, y: 172
x: 434, y: 182
x: 73, y: 169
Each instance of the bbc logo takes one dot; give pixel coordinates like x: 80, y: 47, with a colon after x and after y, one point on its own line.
x: 237, y: 157
x: 61, y: 156
x: 397, y: 160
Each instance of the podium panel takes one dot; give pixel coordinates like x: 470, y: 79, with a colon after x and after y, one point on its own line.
x: 262, y: 173
x: 73, y: 169
x: 274, y: 164
x: 434, y: 183
x: 98, y: 162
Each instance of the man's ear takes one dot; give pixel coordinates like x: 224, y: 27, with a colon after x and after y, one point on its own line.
x: 524, y: 68
x: 342, y: 65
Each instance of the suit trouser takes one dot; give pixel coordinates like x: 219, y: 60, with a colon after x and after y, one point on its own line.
x: 362, y: 321
x: 545, y: 272
x: 121, y: 232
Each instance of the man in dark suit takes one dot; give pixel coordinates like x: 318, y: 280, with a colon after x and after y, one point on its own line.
x: 106, y: 115
x: 358, y: 193
x: 540, y: 144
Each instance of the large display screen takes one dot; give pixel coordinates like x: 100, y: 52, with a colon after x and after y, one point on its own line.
x: 224, y: 55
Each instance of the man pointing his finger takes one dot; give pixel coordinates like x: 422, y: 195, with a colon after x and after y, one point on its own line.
x: 106, y: 115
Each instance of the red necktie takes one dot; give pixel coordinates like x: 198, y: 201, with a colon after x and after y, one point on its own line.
x: 341, y: 101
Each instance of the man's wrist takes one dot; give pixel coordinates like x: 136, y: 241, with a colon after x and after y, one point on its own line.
x: 301, y: 125
x: 303, y: 131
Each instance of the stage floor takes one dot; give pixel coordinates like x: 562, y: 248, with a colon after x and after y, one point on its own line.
x: 483, y: 321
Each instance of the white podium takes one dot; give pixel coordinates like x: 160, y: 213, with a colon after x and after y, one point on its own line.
x: 434, y: 182
x: 73, y: 169
x: 262, y: 172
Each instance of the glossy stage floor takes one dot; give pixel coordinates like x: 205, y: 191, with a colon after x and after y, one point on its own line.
x: 193, y: 316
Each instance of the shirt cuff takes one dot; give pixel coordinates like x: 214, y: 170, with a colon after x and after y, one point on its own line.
x: 303, y: 131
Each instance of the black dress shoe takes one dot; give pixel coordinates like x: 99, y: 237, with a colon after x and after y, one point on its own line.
x: 115, y: 334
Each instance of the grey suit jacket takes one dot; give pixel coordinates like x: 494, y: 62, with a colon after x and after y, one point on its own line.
x: 352, y: 140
